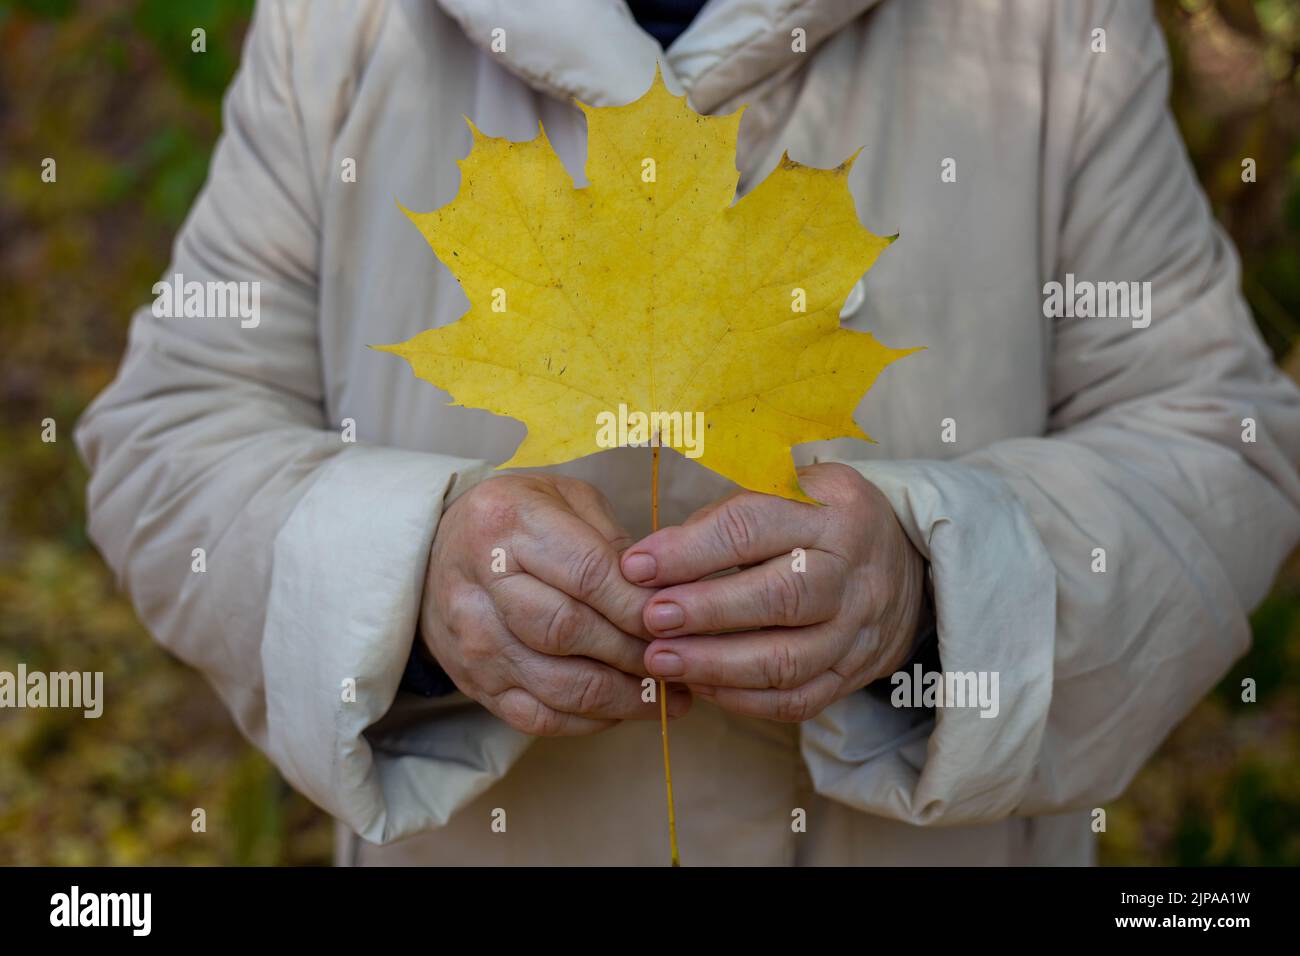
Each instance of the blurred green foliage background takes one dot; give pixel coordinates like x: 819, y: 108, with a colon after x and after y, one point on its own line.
x: 112, y: 91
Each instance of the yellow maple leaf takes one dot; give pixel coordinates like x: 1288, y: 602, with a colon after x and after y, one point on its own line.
x: 651, y: 291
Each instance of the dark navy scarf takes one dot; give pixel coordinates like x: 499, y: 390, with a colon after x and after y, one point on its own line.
x: 665, y: 20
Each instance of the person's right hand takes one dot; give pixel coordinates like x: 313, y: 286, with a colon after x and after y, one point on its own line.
x: 554, y: 644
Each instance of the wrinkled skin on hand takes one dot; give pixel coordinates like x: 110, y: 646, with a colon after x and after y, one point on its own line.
x: 553, y: 645
x: 795, y: 641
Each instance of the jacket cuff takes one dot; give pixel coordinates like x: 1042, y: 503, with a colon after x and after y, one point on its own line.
x: 995, y: 605
x: 346, y: 583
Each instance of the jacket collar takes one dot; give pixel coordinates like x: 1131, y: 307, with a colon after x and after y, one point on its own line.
x: 593, y: 50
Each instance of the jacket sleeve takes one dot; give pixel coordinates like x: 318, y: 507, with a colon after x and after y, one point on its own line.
x: 1172, y: 447
x: 214, y: 436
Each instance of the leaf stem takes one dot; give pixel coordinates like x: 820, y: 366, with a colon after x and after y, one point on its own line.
x: 663, y: 687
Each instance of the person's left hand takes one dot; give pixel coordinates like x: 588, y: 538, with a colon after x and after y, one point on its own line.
x: 800, y: 639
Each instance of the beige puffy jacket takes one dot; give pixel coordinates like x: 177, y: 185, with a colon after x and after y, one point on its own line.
x: 1071, y: 434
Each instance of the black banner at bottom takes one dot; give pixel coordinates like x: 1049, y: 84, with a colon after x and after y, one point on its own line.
x: 434, y: 907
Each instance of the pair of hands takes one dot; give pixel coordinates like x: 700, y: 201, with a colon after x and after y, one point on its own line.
x: 559, y: 642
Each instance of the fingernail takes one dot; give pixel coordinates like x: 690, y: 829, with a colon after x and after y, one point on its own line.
x: 639, y: 567
x: 666, y: 616
x: 667, y: 664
